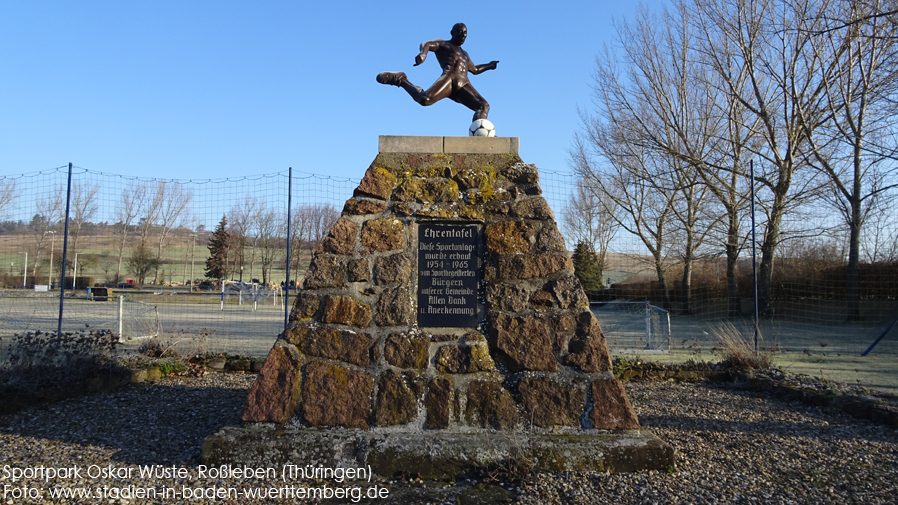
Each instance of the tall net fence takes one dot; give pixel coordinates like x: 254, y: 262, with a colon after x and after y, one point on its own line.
x: 809, y: 309
x: 139, y: 251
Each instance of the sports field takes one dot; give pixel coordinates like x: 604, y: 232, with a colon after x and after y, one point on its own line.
x: 830, y: 351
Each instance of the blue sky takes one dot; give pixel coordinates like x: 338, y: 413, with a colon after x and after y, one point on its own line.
x: 215, y: 89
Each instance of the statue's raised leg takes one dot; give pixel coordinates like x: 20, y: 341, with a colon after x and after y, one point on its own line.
x: 470, y: 98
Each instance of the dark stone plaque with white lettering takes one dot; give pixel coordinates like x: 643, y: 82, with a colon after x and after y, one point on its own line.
x: 448, y: 274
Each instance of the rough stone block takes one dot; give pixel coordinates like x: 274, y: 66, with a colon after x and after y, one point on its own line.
x: 568, y: 292
x: 396, y: 268
x: 396, y: 403
x: 437, y: 401
x: 588, y: 349
x: 394, y: 307
x: 341, y: 238
x: 326, y: 271
x: 534, y: 208
x: 378, y: 182
x: 489, y: 405
x: 611, y: 410
x: 548, y: 403
x: 336, y: 396
x: 386, y: 234
x: 340, y: 309
x: 478, y: 358
x: 427, y: 191
x: 509, y: 237
x: 324, y: 342
x: 305, y: 307
x: 276, y: 392
x: 358, y: 270
x: 403, y: 351
x: 528, y: 266
x: 359, y: 207
x: 522, y: 173
x: 524, y: 342
x: 507, y: 297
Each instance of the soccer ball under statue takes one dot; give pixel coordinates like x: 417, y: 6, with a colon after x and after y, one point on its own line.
x: 482, y: 128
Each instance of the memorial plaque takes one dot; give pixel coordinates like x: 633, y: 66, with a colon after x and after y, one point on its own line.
x: 448, y: 274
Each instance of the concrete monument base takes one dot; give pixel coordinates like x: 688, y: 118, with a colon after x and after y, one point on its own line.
x: 437, y: 455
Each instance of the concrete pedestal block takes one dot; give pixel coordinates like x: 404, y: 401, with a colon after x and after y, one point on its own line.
x: 438, y: 455
x: 448, y: 145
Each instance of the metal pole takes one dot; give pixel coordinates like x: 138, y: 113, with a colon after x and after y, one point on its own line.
x: 25, y: 271
x: 754, y: 257
x: 74, y: 271
x: 289, y: 218
x: 121, y: 313
x: 192, y: 261
x: 65, y: 246
x: 52, y: 244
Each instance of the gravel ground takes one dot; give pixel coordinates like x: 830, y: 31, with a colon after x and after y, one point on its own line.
x: 734, y: 446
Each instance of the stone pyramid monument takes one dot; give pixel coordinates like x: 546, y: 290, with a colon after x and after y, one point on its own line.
x: 440, y: 328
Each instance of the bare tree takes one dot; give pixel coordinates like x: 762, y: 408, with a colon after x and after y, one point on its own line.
x: 244, y: 217
x: 50, y: 211
x: 661, y: 108
x: 323, y: 218
x: 622, y: 173
x: 880, y: 243
x: 588, y: 220
x: 173, y: 212
x: 84, y: 207
x: 310, y: 226
x: 126, y: 211
x: 855, y: 139
x: 301, y: 221
x: 7, y: 192
x: 768, y: 60
x: 270, y: 231
x: 151, y: 202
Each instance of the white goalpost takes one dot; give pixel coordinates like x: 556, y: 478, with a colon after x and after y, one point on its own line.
x: 634, y: 327
x: 252, y: 294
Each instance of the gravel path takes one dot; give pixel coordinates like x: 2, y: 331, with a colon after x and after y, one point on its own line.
x: 734, y: 446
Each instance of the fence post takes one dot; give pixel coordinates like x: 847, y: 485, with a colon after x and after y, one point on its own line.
x: 65, y: 246
x: 289, y: 218
x: 121, y: 302
x: 754, y: 269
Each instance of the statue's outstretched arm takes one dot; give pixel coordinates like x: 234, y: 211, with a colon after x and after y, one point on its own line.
x: 479, y: 69
x: 430, y: 45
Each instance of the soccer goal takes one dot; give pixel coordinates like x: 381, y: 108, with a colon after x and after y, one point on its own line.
x: 251, y: 294
x: 137, y: 320
x: 634, y: 327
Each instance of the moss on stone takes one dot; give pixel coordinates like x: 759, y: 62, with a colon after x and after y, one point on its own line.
x: 427, y: 191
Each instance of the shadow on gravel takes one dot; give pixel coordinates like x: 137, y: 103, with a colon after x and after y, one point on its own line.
x: 801, y: 420
x: 145, y: 424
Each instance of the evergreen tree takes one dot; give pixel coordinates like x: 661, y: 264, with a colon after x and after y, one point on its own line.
x: 587, y: 268
x: 217, y: 262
